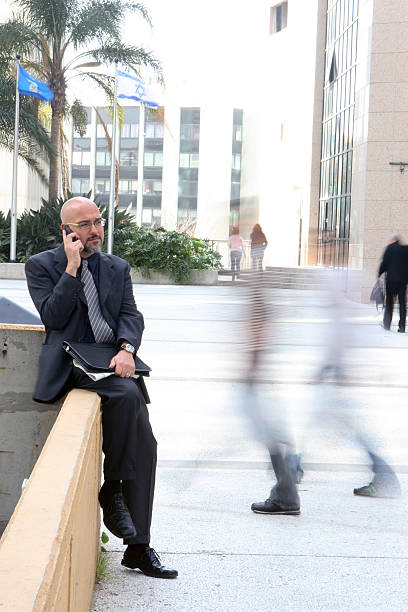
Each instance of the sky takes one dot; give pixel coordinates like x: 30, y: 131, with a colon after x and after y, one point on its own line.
x: 210, y: 51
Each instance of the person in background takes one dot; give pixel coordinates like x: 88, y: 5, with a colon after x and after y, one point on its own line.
x: 395, y: 265
x: 258, y: 246
x: 236, y: 246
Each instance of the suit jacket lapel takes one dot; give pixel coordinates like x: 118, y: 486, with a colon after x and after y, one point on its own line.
x: 61, y: 264
x: 106, y: 276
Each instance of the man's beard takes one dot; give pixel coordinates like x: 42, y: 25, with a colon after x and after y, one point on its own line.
x: 90, y: 250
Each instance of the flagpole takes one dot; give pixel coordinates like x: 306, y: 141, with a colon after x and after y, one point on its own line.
x: 140, y: 177
x: 13, y: 228
x: 111, y: 218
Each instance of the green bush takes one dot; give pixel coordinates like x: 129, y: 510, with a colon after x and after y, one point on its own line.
x: 169, y: 252
x: 4, y: 237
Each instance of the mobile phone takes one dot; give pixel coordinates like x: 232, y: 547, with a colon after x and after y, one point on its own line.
x: 68, y: 230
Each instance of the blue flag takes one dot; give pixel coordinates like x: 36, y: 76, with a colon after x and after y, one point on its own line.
x: 29, y: 86
x: 132, y: 88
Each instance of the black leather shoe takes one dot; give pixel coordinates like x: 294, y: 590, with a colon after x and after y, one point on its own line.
x: 271, y: 507
x: 116, y: 516
x: 148, y: 562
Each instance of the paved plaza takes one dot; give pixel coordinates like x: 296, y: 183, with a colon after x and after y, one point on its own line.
x: 342, y: 552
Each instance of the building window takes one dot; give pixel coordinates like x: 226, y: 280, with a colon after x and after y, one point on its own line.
x: 103, y: 158
x: 189, y: 160
x: 128, y: 186
x: 236, y: 162
x: 102, y: 185
x: 154, y: 130
x: 79, y: 186
x: 189, y: 131
x: 153, y: 159
x: 81, y: 158
x: 128, y: 158
x: 188, y: 188
x: 278, y: 18
x: 152, y: 187
x: 130, y: 130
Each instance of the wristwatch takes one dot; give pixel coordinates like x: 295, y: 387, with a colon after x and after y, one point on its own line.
x: 128, y: 347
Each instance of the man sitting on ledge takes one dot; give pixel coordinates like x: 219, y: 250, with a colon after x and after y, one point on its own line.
x: 85, y: 295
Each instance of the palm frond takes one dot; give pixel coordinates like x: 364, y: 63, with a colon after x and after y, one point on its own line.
x: 98, y: 19
x: 128, y: 55
x: 16, y: 36
x: 50, y: 18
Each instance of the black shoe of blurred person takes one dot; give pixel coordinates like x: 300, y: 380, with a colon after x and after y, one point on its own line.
x: 147, y: 561
x: 401, y: 330
x: 271, y: 507
x: 116, y: 516
x: 372, y: 490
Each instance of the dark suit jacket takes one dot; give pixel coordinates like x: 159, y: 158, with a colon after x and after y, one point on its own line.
x: 395, y: 263
x: 60, y: 300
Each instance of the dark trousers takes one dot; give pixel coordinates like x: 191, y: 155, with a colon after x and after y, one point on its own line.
x: 128, y: 445
x: 235, y: 263
x: 391, y: 290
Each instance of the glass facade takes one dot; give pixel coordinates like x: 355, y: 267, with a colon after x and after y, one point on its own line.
x: 81, y: 160
x: 102, y: 155
x: 153, y: 167
x: 337, y: 132
x: 127, y: 143
x: 188, y: 164
x: 128, y: 155
x: 236, y: 168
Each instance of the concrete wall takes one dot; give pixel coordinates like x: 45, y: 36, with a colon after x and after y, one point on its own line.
x: 49, y: 551
x: 197, y: 277
x: 24, y: 424
x: 386, y: 194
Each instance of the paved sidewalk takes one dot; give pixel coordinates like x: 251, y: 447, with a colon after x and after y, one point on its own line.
x: 342, y: 553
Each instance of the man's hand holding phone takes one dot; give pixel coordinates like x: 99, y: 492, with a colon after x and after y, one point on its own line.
x: 73, y: 247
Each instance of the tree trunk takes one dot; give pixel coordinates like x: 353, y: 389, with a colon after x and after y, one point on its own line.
x: 55, y: 163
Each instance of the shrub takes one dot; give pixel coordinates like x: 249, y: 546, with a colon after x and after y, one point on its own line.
x: 4, y: 237
x: 171, y: 252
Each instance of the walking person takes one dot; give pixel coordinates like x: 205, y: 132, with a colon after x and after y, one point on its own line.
x: 258, y: 246
x: 395, y: 266
x: 236, y: 246
x: 84, y: 295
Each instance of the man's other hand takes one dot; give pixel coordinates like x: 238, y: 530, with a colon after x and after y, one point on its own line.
x: 124, y: 364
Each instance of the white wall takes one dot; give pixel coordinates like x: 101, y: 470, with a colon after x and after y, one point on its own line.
x: 30, y: 188
x: 214, y: 173
x: 277, y: 139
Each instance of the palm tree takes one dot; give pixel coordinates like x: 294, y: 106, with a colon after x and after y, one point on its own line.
x: 59, y: 37
x: 34, y: 140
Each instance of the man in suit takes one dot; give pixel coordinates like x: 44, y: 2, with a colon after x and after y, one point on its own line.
x: 85, y: 295
x: 395, y: 265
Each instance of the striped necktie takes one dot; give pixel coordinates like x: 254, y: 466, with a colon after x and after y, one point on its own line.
x: 101, y: 330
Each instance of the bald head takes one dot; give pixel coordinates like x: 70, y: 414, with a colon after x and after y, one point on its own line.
x: 81, y: 218
x: 72, y: 210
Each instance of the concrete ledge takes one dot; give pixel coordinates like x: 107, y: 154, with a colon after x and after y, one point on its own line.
x: 49, y: 550
x: 15, y: 271
x: 12, y: 271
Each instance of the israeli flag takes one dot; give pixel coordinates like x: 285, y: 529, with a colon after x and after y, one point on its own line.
x: 132, y: 88
x: 29, y: 86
